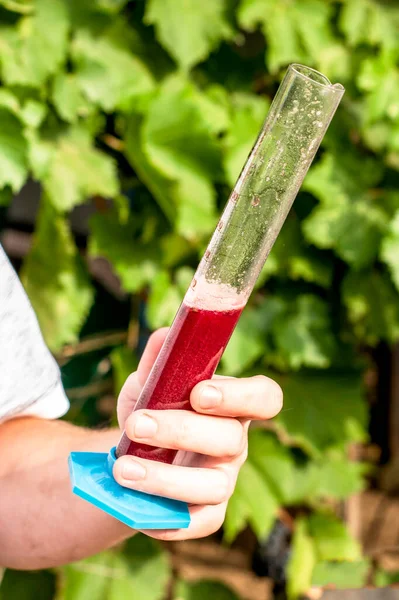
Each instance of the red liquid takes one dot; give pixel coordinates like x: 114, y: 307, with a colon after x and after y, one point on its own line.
x: 190, y: 354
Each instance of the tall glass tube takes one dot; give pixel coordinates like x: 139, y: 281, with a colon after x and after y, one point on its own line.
x: 257, y: 208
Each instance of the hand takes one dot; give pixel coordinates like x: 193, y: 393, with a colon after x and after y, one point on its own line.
x: 213, y: 442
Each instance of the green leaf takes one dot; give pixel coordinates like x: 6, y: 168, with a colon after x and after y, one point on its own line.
x: 19, y: 6
x: 203, y: 589
x: 160, y: 186
x: 341, y: 575
x: 78, y: 171
x: 301, y: 563
x: 176, y: 137
x: 295, y: 32
x: 135, y: 262
x: 68, y: 99
x: 383, y: 578
x: 36, y: 47
x: 89, y: 577
x: 189, y: 30
x: 253, y: 501
x: 303, y: 334
x: 331, y: 538
x: 163, y: 302
x: 107, y: 73
x: 370, y: 23
x: 248, y: 113
x: 142, y: 572
x: 290, y: 258
x: 13, y: 151
x: 372, y: 304
x: 124, y: 362
x: 343, y: 221
x: 323, y: 410
x: 250, y: 340
x: 21, y: 585
x: 279, y: 27
x: 296, y: 481
x: 55, y: 280
x: 390, y: 249
x: 6, y: 196
x: 196, y: 214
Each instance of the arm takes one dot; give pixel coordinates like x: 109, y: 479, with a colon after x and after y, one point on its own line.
x: 42, y: 523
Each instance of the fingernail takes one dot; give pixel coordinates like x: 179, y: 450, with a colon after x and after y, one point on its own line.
x: 210, y: 397
x: 133, y: 470
x: 145, y: 427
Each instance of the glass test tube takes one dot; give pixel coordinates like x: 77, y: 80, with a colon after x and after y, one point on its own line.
x: 257, y: 208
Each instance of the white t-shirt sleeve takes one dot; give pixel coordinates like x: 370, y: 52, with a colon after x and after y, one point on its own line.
x: 30, y: 380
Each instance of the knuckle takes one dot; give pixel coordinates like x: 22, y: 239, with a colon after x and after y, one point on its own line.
x: 181, y: 435
x: 223, y: 489
x: 237, y: 439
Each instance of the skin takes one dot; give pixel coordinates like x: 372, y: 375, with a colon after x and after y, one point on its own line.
x: 43, y: 524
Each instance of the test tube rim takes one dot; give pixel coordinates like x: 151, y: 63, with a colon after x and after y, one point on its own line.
x: 301, y: 71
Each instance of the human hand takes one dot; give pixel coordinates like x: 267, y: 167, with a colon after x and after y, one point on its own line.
x: 212, y: 441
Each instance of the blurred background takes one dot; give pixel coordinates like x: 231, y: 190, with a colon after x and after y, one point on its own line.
x: 123, y: 127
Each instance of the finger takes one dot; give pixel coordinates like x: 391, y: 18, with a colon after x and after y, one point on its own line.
x: 205, y: 520
x: 192, y: 485
x: 254, y: 397
x: 134, y: 383
x: 186, y: 430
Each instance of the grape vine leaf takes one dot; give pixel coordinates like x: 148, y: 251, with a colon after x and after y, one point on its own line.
x: 301, y: 563
x: 176, y: 137
x: 108, y: 74
x: 332, y: 540
x: 37, y: 46
x: 294, y: 32
x: 371, y: 23
x: 17, y: 585
x: 68, y: 98
x: 163, y: 301
x: 55, y: 280
x: 6, y: 195
x: 179, y: 142
x: 136, y: 263
x: 13, y: 151
x: 303, y: 334
x: 295, y: 481
x: 200, y: 590
x: 293, y: 259
x: 372, y: 304
x: 341, y: 575
x: 323, y: 410
x: 124, y: 362
x: 381, y: 578
x: 343, y: 221
x: 189, y: 30
x: 253, y: 501
x: 161, y: 187
x: 250, y: 339
x: 390, y: 249
x: 247, y: 115
x: 77, y: 170
x: 141, y: 572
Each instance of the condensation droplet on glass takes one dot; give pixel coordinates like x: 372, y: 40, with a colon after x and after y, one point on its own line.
x: 255, y: 201
x: 193, y: 283
x: 220, y: 225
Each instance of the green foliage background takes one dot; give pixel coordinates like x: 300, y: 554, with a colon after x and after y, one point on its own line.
x: 161, y: 101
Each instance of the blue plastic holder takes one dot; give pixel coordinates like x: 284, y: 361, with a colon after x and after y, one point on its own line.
x: 92, y: 480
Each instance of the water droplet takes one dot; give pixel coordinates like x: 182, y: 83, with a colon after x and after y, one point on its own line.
x: 255, y: 201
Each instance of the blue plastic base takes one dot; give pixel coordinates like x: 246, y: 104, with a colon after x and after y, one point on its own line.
x: 92, y: 480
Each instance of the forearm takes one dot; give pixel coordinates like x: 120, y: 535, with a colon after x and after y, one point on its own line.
x: 42, y: 523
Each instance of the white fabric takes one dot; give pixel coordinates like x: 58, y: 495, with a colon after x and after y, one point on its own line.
x: 30, y: 381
